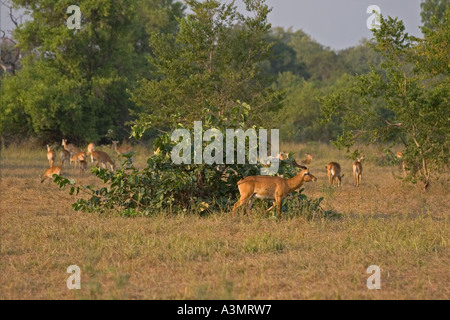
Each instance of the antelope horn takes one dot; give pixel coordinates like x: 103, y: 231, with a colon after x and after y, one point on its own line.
x: 299, y: 165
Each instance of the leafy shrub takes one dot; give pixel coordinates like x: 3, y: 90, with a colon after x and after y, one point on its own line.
x: 169, y: 187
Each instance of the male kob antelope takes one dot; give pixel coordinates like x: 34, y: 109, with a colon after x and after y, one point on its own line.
x: 334, y: 172
x: 51, y: 156
x: 70, y: 147
x: 123, y: 149
x: 266, y: 187
x: 103, y: 158
x: 357, y: 172
x: 50, y: 172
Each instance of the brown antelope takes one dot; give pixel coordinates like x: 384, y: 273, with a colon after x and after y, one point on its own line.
x: 81, y: 156
x: 73, y: 159
x: 65, y: 156
x: 283, y: 155
x: 267, y: 187
x: 83, y: 165
x: 50, y: 172
x: 308, y: 159
x: 51, y: 156
x: 103, y: 158
x: 357, y: 172
x: 90, y: 148
x: 70, y: 147
x: 122, y: 149
x: 334, y: 171
x: 404, y: 163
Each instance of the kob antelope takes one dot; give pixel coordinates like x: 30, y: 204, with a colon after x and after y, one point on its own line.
x: 83, y: 165
x: 334, y: 172
x: 90, y: 148
x: 357, y: 172
x: 70, y: 147
x: 308, y: 158
x: 50, y: 172
x: 103, y: 158
x: 283, y: 155
x: 81, y: 156
x: 266, y: 187
x: 405, y: 164
x: 123, y: 149
x: 65, y: 156
x: 51, y: 156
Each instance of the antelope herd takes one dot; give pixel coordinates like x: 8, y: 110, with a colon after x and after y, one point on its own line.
x: 70, y: 154
x: 261, y: 187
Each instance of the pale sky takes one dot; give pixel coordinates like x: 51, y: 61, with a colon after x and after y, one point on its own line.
x: 340, y: 24
x: 337, y: 24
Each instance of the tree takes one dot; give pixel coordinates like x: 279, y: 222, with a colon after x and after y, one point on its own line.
x: 74, y: 83
x: 407, y: 101
x: 214, y: 60
x: 432, y: 11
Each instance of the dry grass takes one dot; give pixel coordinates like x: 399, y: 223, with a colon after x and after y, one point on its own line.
x: 398, y: 228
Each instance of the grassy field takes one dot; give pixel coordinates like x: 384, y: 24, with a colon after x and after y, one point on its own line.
x: 383, y: 222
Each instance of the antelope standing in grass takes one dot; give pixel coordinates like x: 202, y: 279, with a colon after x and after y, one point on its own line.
x: 103, y: 158
x: 50, y: 172
x: 334, y: 171
x: 81, y: 156
x: 70, y: 147
x: 357, y: 172
x: 122, y: 149
x: 65, y: 156
x: 266, y: 187
x: 90, y: 148
x: 308, y: 158
x: 83, y: 165
x: 51, y: 156
x: 404, y: 164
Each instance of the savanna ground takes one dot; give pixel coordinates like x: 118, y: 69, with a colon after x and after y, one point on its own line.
x: 383, y: 222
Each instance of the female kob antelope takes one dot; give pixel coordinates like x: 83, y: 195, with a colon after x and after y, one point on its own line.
x: 103, y: 158
x: 83, y: 165
x: 357, y: 172
x: 266, y: 187
x: 90, y: 148
x: 70, y: 147
x: 308, y: 158
x: 50, y: 172
x: 51, y: 156
x: 78, y: 157
x: 123, y: 149
x: 404, y: 164
x: 65, y: 156
x: 334, y: 171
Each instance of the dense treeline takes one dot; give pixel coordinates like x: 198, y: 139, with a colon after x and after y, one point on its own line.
x: 86, y: 85
x: 135, y: 63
